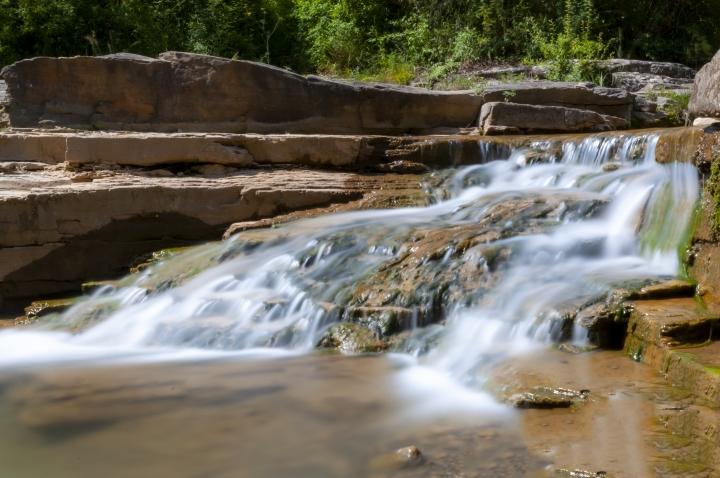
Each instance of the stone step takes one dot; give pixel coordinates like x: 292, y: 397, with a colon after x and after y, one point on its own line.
x: 32, y: 149
x: 678, y: 337
x: 671, y: 322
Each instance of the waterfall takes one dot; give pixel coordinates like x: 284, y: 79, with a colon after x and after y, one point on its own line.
x: 616, y: 215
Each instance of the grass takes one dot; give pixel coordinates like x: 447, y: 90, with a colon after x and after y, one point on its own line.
x: 676, y: 106
x: 713, y: 371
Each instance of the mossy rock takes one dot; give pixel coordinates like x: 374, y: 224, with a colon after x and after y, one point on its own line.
x: 351, y: 338
x: 547, y: 398
x: 42, y: 309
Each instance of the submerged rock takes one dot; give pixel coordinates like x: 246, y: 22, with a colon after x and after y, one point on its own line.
x: 352, y: 339
x: 548, y: 397
x: 402, y: 458
x: 564, y: 473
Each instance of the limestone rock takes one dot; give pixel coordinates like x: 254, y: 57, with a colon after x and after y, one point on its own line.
x: 633, y: 82
x: 55, y: 229
x: 352, y: 339
x: 585, y: 96
x: 705, y: 100
x: 710, y: 125
x: 503, y: 117
x: 673, y: 70
x: 676, y: 288
x: 547, y: 398
x: 671, y: 322
x: 190, y: 92
x: 441, y: 267
x: 402, y: 458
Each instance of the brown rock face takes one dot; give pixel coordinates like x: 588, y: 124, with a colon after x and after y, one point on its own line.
x: 584, y: 96
x: 189, y: 92
x: 512, y: 118
x: 58, y: 232
x: 705, y: 100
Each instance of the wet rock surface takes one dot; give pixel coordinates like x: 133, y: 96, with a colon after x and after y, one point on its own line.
x: 572, y: 437
x: 547, y: 398
x: 327, y: 414
x: 438, y: 268
x: 402, y: 458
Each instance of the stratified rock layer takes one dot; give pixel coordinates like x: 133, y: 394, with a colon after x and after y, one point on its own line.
x: 61, y: 228
x: 513, y: 118
x: 189, y: 92
x: 584, y: 96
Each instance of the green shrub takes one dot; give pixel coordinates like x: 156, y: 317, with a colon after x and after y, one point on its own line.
x: 676, y: 104
x: 388, y: 38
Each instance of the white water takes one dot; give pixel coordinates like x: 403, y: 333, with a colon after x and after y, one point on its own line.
x: 271, y: 296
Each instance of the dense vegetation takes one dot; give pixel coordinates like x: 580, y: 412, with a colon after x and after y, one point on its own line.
x: 392, y: 39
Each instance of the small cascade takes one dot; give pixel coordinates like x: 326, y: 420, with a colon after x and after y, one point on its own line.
x: 484, y: 272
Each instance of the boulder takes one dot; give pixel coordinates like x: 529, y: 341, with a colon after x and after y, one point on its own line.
x: 504, y: 118
x: 585, y: 96
x: 705, y: 100
x: 190, y: 92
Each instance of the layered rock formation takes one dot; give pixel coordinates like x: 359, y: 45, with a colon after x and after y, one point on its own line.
x: 584, y: 96
x: 61, y: 228
x: 188, y: 92
x: 203, y: 133
x: 513, y: 118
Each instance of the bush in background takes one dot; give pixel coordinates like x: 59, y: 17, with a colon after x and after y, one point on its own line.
x: 389, y: 40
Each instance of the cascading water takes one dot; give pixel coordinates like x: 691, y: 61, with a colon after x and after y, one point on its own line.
x: 615, y: 215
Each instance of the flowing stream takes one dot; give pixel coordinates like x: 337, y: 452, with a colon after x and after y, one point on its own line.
x: 504, y: 249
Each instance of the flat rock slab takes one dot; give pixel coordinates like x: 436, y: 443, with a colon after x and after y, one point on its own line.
x: 148, y: 150
x: 80, y: 149
x: 58, y: 224
x: 156, y: 149
x: 671, y: 322
x: 514, y: 118
x: 585, y: 96
x: 190, y: 92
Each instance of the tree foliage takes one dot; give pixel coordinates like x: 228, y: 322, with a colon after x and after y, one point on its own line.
x: 361, y: 35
